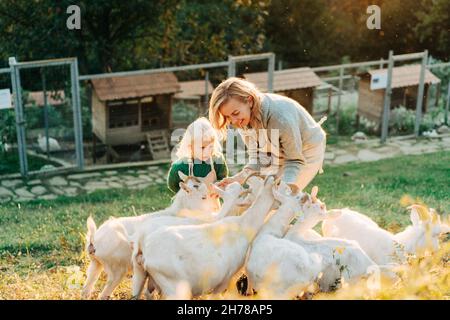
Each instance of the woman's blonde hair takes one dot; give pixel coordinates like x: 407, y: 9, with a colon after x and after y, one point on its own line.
x: 234, y: 88
x: 198, y: 131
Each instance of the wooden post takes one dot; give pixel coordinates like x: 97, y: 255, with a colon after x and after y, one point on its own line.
x: 420, y: 93
x: 330, y: 91
x: 438, y: 95
x: 140, y: 113
x: 94, y: 147
x: 387, y: 99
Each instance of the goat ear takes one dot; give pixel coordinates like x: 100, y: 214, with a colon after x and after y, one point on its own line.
x: 435, y: 218
x: 182, y: 176
x: 414, y: 216
x: 185, y: 187
x: 294, y: 188
x: 314, y: 192
x: 210, y: 178
x: 304, y: 199
x: 217, y: 189
x: 422, y: 213
x: 277, y: 181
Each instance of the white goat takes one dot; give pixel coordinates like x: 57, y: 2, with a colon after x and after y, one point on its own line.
x: 276, y: 267
x: 381, y: 245
x: 305, y: 229
x: 340, y: 258
x: 423, y: 235
x: 233, y: 197
x: 205, y: 256
x: 109, y: 246
x: 255, y: 182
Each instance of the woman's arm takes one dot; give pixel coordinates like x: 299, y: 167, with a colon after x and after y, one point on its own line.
x: 290, y: 144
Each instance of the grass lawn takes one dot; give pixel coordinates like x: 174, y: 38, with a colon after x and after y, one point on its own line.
x: 38, y: 236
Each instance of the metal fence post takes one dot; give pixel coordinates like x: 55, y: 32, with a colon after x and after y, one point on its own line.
x: 387, y: 99
x: 271, y: 70
x: 20, y: 123
x: 44, y: 91
x: 420, y: 93
x: 231, y: 67
x: 338, y: 107
x: 76, y: 105
x: 206, y: 92
x: 446, y: 105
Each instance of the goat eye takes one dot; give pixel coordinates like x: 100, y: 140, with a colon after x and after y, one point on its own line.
x: 204, y: 198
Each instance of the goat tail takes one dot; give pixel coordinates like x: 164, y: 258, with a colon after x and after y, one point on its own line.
x: 92, y: 228
x: 135, y: 240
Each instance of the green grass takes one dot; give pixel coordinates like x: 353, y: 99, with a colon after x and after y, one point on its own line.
x: 42, y: 234
x: 10, y: 163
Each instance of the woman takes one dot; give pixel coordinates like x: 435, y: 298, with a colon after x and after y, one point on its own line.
x: 285, y: 139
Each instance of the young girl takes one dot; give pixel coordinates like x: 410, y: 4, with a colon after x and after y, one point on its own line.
x: 199, y: 150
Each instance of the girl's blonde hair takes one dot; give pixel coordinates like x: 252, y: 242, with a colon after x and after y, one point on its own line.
x: 198, y: 131
x: 234, y: 88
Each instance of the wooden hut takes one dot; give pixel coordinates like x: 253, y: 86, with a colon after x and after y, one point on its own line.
x: 125, y: 109
x: 404, y: 84
x: 298, y: 84
x: 194, y: 95
x: 54, y: 98
x: 194, y: 91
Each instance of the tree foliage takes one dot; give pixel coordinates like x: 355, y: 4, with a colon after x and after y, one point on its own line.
x: 123, y: 35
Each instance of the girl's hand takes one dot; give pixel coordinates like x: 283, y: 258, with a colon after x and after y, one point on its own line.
x: 224, y: 182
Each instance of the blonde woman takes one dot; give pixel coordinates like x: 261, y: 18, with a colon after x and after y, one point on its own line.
x: 278, y: 132
x: 199, y: 151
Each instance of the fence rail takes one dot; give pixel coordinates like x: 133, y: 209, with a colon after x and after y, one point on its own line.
x: 231, y: 65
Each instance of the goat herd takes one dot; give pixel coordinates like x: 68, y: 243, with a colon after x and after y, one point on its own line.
x: 201, y: 245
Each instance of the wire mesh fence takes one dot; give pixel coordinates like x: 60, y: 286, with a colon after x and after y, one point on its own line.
x: 115, y: 128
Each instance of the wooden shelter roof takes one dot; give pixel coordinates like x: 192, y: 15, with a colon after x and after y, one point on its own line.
x: 288, y: 79
x: 406, y: 76
x: 193, y: 89
x: 128, y: 87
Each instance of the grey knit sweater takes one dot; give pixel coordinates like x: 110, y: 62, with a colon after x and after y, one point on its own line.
x: 300, y: 138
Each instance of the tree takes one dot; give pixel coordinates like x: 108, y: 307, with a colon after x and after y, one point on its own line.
x: 433, y: 27
x: 33, y: 30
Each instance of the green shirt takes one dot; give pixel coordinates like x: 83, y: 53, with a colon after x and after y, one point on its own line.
x: 200, y: 170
